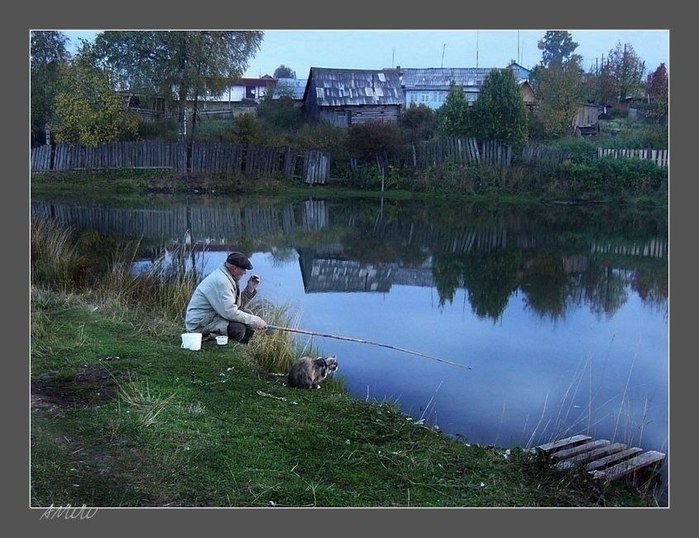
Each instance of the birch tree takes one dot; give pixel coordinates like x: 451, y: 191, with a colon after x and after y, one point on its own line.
x: 48, y: 54
x: 185, y: 66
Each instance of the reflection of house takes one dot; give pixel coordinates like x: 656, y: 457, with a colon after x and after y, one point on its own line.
x: 341, y: 275
x: 329, y: 270
x: 344, y: 97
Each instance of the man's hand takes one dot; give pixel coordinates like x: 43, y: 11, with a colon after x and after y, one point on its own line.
x: 253, y: 282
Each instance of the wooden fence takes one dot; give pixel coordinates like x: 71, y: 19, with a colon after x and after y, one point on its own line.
x: 543, y: 155
x: 211, y: 156
x: 658, y: 156
x: 476, y: 152
x: 312, y: 166
x: 457, y: 149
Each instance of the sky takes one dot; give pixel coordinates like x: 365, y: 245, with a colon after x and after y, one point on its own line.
x: 378, y: 49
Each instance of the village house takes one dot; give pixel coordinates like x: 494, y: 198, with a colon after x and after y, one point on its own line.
x: 344, y: 97
x: 290, y: 87
x: 430, y: 86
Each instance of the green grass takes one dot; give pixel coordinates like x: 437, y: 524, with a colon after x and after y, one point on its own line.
x: 128, y: 418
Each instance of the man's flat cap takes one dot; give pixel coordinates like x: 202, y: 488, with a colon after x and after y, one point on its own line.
x: 239, y: 259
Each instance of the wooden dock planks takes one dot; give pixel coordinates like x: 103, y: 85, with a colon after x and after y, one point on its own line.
x: 601, y: 458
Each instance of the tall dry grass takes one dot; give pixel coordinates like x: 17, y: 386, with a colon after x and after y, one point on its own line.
x: 56, y: 261
x: 162, y: 287
x: 277, y: 350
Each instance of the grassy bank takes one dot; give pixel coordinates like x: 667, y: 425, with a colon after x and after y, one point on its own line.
x: 582, y: 177
x: 122, y: 416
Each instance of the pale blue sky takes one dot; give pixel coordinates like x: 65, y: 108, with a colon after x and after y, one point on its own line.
x: 375, y: 49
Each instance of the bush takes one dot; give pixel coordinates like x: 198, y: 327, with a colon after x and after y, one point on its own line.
x: 630, y: 134
x: 368, y: 140
x: 579, y: 149
x: 323, y: 137
x: 280, y: 116
x: 165, y: 129
x: 418, y: 122
x: 610, y: 177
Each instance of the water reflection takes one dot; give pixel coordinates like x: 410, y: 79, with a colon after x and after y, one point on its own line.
x: 561, y: 311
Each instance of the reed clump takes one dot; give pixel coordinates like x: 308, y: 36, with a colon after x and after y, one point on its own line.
x: 276, y: 351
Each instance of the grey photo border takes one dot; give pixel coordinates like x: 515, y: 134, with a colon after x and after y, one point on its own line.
x: 306, y: 14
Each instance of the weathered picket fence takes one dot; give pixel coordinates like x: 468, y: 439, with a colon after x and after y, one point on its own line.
x: 457, y: 149
x: 538, y: 155
x: 312, y: 166
x: 658, y: 156
x: 210, y: 156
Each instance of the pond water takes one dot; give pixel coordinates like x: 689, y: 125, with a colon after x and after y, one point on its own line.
x: 558, y: 313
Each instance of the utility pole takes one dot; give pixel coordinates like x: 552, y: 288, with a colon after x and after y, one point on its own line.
x: 476, y: 49
x: 443, y: 47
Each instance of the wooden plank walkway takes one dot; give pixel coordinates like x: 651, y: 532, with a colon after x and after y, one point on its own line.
x: 601, y: 459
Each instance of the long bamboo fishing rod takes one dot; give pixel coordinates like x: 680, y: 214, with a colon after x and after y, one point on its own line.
x: 325, y: 335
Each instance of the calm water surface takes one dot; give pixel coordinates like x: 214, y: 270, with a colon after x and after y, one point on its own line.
x: 560, y: 312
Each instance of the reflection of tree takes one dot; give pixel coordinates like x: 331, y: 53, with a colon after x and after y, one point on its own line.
x: 282, y: 255
x: 651, y: 285
x: 447, y: 271
x: 544, y: 284
x: 602, y: 251
x: 490, y: 278
x: 604, y: 289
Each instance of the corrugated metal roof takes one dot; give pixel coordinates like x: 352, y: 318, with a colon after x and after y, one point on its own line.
x: 294, y: 85
x: 341, y: 87
x: 434, y: 78
x: 441, y: 78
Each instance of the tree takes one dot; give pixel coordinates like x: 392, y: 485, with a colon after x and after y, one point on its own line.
x: 657, y: 87
x: 557, y: 47
x: 87, y: 110
x: 48, y: 54
x: 561, y: 93
x: 499, y: 112
x: 626, y: 70
x: 284, y: 72
x: 418, y: 122
x: 601, y: 85
x: 183, y: 65
x: 453, y: 117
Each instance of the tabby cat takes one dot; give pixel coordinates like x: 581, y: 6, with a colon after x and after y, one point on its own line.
x: 307, y: 373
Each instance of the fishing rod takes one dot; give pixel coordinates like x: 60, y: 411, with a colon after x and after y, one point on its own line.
x: 326, y: 335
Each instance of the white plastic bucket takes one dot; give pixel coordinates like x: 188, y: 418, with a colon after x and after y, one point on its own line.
x: 221, y: 340
x: 191, y: 341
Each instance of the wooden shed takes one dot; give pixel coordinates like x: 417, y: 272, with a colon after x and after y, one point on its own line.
x: 586, y: 121
x: 344, y: 97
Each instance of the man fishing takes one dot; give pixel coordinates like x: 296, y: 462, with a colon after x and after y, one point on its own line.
x: 217, y: 305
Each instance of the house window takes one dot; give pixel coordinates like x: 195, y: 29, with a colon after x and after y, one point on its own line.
x: 250, y: 92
